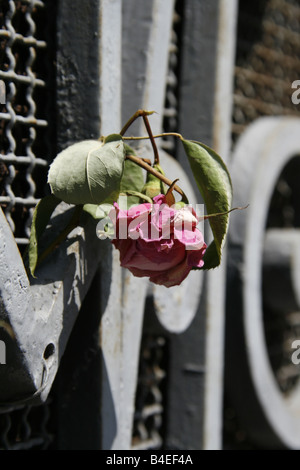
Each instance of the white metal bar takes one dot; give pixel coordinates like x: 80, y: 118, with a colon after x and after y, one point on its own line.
x: 157, y: 63
x: 213, y: 399
x: 110, y: 65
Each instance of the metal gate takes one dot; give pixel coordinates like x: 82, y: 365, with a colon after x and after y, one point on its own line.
x: 97, y: 359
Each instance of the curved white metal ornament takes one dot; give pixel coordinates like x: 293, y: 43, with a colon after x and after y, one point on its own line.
x: 261, y: 154
x: 175, y: 306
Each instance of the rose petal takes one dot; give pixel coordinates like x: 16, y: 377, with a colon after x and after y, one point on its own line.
x: 160, y: 242
x: 160, y: 199
x: 195, y: 257
x: 148, y: 258
x: 162, y: 214
x: 135, y: 211
x: 193, y: 240
x: 173, y: 277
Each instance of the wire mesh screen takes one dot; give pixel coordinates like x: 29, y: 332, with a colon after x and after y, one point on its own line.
x: 170, y: 121
x: 150, y: 399
x: 25, y: 428
x: 25, y: 69
x: 267, y: 63
x: 26, y: 148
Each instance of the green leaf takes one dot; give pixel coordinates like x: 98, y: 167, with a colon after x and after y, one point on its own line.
x: 98, y: 211
x: 214, y: 182
x: 132, y: 180
x: 112, y: 138
x: 131, y: 185
x: 41, y: 217
x: 140, y: 196
x: 88, y: 172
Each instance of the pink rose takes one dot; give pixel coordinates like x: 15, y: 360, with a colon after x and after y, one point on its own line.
x: 158, y: 241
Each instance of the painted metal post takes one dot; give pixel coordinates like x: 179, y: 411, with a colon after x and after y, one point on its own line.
x: 216, y: 285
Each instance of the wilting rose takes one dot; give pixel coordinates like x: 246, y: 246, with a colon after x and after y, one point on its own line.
x: 158, y: 241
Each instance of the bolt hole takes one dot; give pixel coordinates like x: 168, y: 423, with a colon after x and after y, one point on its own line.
x: 49, y: 350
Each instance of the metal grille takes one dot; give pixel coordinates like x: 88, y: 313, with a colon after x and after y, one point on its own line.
x: 170, y: 121
x: 26, y: 68
x: 149, y: 407
x: 25, y: 428
x: 171, y: 109
x: 24, y: 135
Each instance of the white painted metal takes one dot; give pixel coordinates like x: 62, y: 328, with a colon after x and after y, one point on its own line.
x: 110, y: 42
x: 43, y: 311
x: 262, y: 152
x: 216, y: 279
x: 157, y: 61
x: 282, y: 252
x: 125, y: 296
x: 111, y: 333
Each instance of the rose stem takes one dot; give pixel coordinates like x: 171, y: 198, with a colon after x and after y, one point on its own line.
x: 156, y: 173
x: 154, y: 147
x: 164, y: 134
x: 205, y: 217
x: 139, y: 113
x: 142, y: 113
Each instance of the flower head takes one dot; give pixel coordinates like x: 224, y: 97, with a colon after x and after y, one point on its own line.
x: 158, y: 241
